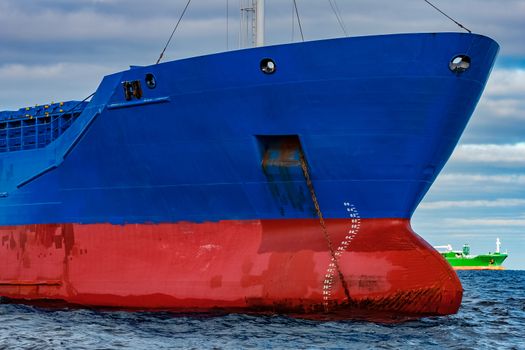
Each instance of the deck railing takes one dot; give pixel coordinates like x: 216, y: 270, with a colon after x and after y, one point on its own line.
x: 27, y: 131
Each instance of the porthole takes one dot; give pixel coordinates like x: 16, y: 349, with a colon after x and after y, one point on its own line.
x: 151, y: 82
x: 268, y: 66
x: 459, y: 63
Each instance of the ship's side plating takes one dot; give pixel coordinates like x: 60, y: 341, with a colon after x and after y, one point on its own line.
x: 164, y: 194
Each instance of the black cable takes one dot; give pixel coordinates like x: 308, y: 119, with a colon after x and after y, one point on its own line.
x: 78, y: 104
x: 339, y: 19
x: 444, y: 14
x: 173, y: 32
x: 293, y: 23
x: 298, y: 19
x: 227, y: 25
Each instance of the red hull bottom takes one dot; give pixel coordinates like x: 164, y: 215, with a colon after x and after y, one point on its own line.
x: 266, y: 266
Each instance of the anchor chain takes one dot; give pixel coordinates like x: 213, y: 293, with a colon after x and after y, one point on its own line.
x: 310, y: 185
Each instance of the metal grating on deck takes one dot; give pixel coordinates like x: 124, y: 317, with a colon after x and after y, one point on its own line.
x: 36, y: 127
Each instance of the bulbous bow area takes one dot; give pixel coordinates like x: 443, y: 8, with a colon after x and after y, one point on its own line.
x: 389, y: 270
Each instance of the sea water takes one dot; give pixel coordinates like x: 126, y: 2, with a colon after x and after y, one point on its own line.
x: 492, y: 316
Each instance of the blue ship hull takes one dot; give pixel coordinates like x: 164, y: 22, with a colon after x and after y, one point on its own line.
x: 376, y: 118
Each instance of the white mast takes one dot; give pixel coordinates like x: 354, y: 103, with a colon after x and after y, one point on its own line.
x: 251, y: 23
x: 259, y: 19
x: 498, y: 244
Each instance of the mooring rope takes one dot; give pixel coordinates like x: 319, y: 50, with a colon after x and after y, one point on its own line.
x: 444, y: 14
x: 173, y: 32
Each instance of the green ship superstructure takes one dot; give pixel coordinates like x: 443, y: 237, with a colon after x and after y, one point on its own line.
x: 463, y: 260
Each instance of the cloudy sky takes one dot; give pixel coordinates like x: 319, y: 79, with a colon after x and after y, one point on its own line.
x: 52, y: 50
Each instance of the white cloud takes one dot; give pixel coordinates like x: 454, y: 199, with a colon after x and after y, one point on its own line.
x: 506, y: 82
x: 89, y: 25
x: 504, y: 96
x: 453, y: 178
x: 45, y: 83
x: 507, y: 154
x: 509, y: 107
x: 500, y: 202
x: 57, y: 70
x: 20, y: 71
x: 496, y: 222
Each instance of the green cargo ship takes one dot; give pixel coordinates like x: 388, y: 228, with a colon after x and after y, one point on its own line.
x: 462, y: 260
